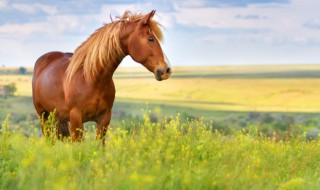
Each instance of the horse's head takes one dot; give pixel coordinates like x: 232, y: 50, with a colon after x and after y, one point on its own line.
x: 144, y: 47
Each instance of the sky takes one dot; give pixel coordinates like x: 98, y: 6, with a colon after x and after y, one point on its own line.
x: 197, y: 32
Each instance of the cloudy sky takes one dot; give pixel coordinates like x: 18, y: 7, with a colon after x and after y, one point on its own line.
x: 197, y: 32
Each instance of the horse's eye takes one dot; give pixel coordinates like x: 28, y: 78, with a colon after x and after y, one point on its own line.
x: 151, y: 39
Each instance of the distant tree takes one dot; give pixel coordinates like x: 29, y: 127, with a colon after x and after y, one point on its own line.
x: 22, y: 70
x: 8, y: 90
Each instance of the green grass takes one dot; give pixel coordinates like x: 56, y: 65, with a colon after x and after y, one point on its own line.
x: 23, y: 115
x: 169, y: 154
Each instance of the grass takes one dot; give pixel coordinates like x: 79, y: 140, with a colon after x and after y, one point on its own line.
x: 227, y: 88
x: 284, y: 95
x: 169, y: 154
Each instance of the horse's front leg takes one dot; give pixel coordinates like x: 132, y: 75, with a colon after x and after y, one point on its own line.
x: 102, y: 123
x: 76, y: 125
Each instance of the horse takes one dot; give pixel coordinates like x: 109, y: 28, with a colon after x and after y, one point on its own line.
x: 79, y: 86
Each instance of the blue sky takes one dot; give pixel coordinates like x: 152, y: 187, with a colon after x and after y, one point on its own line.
x: 197, y: 32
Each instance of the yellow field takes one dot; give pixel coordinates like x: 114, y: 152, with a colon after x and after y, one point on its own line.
x: 289, y: 95
x: 234, y: 91
x: 23, y: 83
x: 200, y: 90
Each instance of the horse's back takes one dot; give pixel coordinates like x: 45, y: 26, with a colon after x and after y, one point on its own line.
x: 43, y: 61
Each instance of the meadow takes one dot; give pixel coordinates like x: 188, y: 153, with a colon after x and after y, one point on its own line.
x: 164, y: 155
x: 228, y: 127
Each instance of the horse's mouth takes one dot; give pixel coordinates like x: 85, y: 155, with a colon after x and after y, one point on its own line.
x: 158, y: 79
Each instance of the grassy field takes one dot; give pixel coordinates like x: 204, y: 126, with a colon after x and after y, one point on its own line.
x: 245, y: 88
x: 164, y: 155
x: 239, y: 127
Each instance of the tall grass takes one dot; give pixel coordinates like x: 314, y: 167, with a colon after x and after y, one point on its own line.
x: 163, y: 155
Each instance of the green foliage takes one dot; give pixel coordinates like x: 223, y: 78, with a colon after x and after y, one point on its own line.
x: 50, y: 126
x: 168, y: 154
x: 22, y: 70
x: 8, y: 90
x: 4, y: 131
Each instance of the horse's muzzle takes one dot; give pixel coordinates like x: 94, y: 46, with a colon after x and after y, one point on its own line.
x: 163, y: 74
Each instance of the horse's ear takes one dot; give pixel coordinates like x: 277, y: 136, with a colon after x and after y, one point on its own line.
x: 145, y: 20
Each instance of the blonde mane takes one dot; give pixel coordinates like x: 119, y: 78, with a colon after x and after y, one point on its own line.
x: 103, y: 47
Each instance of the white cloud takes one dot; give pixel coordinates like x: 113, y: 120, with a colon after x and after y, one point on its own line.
x: 165, y: 19
x: 52, y: 25
x: 313, y: 23
x: 3, y: 4
x: 227, y: 17
x: 28, y: 8
x: 190, y: 3
x: 111, y: 10
x: 51, y: 10
x: 22, y: 29
x: 285, y: 22
x: 34, y: 8
x: 69, y: 23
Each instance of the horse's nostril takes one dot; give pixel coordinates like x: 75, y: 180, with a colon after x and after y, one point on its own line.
x: 168, y: 70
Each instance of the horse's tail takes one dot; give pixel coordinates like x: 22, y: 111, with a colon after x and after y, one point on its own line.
x: 63, y: 129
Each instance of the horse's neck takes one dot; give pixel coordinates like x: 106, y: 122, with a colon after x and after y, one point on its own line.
x: 124, y: 34
x: 109, y: 70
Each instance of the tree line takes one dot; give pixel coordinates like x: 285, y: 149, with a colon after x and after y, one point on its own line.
x: 21, y: 70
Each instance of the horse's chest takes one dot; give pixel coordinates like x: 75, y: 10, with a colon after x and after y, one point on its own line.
x: 98, y: 106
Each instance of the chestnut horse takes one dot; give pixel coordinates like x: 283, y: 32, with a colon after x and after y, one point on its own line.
x: 79, y: 85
